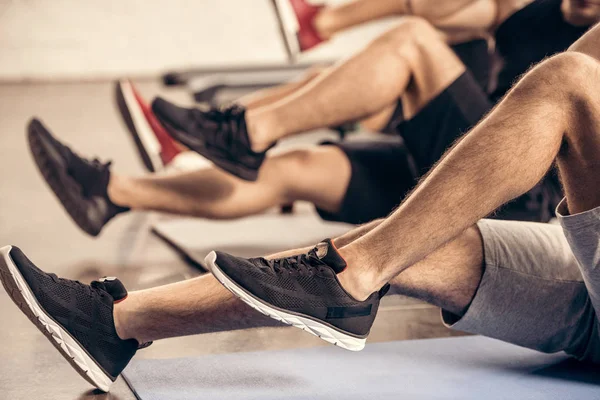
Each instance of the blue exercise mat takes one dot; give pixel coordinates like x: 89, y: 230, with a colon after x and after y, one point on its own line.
x: 452, y: 368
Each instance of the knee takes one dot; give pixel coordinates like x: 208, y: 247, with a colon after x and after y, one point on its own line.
x: 569, y: 76
x: 289, y: 170
x: 410, y: 31
x: 311, y: 174
x: 571, y: 68
x: 294, y: 162
x: 579, y: 75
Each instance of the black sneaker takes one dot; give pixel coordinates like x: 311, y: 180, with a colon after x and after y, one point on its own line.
x: 80, y: 184
x: 219, y: 135
x: 302, y: 291
x: 76, y: 318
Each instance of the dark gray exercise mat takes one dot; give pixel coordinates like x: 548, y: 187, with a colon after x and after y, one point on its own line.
x: 452, y: 368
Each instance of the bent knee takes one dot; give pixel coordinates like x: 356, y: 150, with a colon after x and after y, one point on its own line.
x: 297, y: 164
x: 413, y: 38
x: 410, y: 29
x: 294, y: 161
x: 569, y: 73
x: 290, y: 169
x: 306, y: 170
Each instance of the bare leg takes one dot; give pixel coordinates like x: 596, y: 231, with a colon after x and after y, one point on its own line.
x: 447, y: 278
x: 341, y: 241
x: 410, y: 61
x: 334, y: 19
x: 319, y: 175
x: 554, y: 106
x: 270, y: 95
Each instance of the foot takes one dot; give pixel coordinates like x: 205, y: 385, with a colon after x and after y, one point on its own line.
x: 219, y: 135
x: 307, y: 34
x: 302, y: 291
x: 80, y: 184
x: 156, y: 148
x: 76, y: 318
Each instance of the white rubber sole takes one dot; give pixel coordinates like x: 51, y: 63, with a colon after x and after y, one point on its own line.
x: 69, y: 348
x: 311, y: 326
x: 142, y: 127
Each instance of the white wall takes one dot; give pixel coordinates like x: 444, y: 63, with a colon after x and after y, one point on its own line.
x: 96, y: 39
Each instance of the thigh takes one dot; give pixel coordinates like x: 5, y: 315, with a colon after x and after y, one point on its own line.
x: 382, y: 173
x: 473, y: 54
x: 434, y: 66
x: 532, y: 292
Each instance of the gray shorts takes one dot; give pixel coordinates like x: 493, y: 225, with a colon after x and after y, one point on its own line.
x: 534, y: 292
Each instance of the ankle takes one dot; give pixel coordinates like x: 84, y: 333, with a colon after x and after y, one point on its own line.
x: 262, y: 130
x: 119, y: 318
x: 117, y: 190
x: 358, y: 279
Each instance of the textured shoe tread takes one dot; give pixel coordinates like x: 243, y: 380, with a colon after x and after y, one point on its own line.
x: 310, y: 325
x: 52, y: 177
x: 51, y: 329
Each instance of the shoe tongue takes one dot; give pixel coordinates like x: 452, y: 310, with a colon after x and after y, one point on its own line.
x: 327, y: 253
x: 114, y: 287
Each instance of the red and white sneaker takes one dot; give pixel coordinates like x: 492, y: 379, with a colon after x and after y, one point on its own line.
x: 307, y: 34
x: 156, y: 148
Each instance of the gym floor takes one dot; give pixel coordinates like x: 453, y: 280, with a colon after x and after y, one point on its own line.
x: 84, y: 115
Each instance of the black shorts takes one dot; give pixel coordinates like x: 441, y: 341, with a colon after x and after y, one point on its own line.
x: 446, y: 118
x: 383, y: 172
x: 476, y: 58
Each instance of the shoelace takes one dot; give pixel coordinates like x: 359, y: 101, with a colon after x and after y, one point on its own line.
x: 79, y: 168
x: 97, y: 164
x: 222, y: 113
x: 93, y: 290
x: 94, y: 163
x: 301, y: 264
x: 226, y: 121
